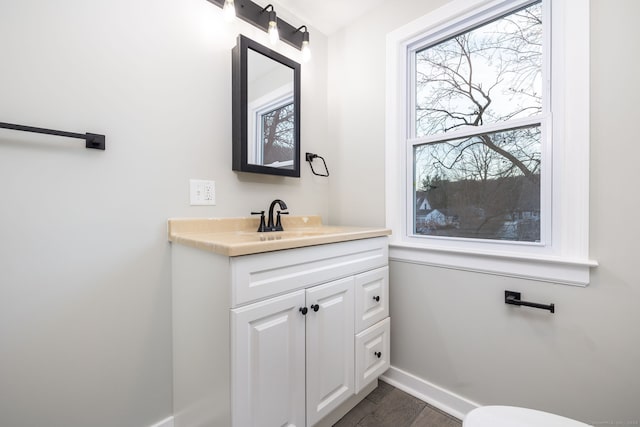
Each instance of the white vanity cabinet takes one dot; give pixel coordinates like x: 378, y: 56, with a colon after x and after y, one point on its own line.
x: 279, y: 355
x: 306, y: 330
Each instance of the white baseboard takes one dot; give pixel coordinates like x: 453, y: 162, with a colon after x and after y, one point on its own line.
x: 167, y: 422
x: 434, y: 395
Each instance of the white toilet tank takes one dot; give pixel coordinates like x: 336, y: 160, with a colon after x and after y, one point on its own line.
x: 511, y: 416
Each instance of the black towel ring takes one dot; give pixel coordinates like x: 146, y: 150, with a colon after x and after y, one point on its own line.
x: 309, y: 157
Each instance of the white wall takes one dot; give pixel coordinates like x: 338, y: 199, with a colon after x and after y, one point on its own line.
x: 356, y: 111
x: 85, y: 322
x: 452, y: 328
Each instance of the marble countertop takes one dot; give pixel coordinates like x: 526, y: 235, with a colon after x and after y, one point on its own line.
x: 238, y: 236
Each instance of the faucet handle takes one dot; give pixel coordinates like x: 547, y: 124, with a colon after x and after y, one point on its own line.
x: 279, y: 222
x: 262, y: 228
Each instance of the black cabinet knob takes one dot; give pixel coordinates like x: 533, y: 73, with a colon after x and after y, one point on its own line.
x: 377, y: 298
x: 303, y: 310
x: 315, y: 307
x: 377, y: 353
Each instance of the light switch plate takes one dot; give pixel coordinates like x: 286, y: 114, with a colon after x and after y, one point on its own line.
x: 202, y: 192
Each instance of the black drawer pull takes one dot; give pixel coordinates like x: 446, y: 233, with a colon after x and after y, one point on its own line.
x: 377, y: 298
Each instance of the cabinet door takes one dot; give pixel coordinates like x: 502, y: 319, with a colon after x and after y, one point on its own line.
x: 330, y: 352
x: 267, y: 360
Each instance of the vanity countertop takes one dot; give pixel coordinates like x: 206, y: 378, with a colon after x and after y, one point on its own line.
x: 238, y: 236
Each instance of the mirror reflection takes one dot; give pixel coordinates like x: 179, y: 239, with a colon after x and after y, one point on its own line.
x: 266, y: 110
x: 270, y: 112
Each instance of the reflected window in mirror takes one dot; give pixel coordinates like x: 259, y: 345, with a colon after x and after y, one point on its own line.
x: 266, y: 111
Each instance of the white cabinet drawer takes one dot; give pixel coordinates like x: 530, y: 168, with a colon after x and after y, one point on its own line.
x: 372, y: 353
x: 372, y: 297
x: 264, y: 275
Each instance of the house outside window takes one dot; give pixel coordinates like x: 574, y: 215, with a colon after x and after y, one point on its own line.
x: 487, y: 138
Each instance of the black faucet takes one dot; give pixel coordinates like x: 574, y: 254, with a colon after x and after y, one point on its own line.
x: 270, y: 226
x: 278, y: 224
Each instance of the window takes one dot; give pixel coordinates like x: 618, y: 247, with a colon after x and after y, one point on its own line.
x: 271, y: 142
x: 476, y: 119
x: 487, y: 139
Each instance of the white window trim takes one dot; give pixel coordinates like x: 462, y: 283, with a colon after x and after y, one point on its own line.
x: 566, y: 259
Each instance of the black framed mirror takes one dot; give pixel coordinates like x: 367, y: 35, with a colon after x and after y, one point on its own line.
x: 266, y: 110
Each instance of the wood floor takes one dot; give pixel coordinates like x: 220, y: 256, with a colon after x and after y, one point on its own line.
x: 387, y: 406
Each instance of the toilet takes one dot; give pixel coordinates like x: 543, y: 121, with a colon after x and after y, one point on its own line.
x: 511, y: 416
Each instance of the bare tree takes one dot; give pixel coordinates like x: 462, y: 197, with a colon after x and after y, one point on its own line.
x: 488, y: 75
x: 278, y: 134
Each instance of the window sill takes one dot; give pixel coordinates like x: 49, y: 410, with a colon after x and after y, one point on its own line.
x: 566, y: 271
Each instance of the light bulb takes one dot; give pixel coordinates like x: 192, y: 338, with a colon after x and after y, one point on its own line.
x: 306, y: 51
x: 304, y: 48
x: 229, y: 10
x: 274, y: 37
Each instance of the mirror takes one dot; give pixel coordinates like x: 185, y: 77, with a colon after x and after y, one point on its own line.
x: 266, y: 110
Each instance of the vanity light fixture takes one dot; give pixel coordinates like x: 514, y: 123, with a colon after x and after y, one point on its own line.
x: 306, y: 51
x: 255, y: 15
x: 229, y: 10
x: 274, y: 37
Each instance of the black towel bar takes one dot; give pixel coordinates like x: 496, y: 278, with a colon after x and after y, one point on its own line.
x: 513, y: 298
x: 93, y: 140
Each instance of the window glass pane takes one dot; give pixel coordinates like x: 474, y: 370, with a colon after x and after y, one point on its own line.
x: 486, y: 75
x: 485, y: 186
x: 277, y: 137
